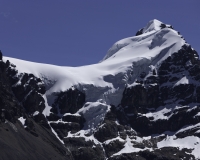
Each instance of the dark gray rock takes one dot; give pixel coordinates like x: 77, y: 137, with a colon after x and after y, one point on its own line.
x: 32, y: 142
x: 113, y: 147
x: 84, y: 150
x: 1, y: 56
x: 74, y: 118
x: 62, y: 129
x: 34, y: 102
x: 69, y: 101
x: 139, y: 32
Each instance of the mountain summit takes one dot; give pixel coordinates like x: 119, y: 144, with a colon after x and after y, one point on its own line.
x: 140, y: 102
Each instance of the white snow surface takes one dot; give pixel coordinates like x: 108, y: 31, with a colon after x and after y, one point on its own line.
x: 104, y: 82
x: 190, y: 142
x: 94, y: 113
x: 183, y: 80
x: 128, y: 148
x: 22, y: 120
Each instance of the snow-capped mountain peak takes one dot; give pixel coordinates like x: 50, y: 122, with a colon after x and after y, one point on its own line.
x: 153, y: 25
x: 148, y: 42
x: 125, y: 61
x: 124, y: 106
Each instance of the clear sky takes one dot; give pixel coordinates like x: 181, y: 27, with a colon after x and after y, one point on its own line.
x: 79, y: 32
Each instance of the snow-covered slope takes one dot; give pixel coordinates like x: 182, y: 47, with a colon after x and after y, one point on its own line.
x: 143, y: 50
x: 132, y: 64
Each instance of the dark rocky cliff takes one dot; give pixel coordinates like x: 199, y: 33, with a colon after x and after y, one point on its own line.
x: 34, y: 141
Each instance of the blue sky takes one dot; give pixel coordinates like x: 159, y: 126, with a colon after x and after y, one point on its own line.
x: 79, y: 32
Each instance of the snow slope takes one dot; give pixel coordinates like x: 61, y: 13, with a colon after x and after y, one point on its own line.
x: 136, y: 50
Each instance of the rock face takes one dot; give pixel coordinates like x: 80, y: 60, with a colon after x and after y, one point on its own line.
x: 162, y: 89
x: 81, y: 149
x: 149, y: 110
x: 9, y: 106
x: 31, y: 141
x: 70, y: 101
x: 62, y: 118
x: 1, y: 55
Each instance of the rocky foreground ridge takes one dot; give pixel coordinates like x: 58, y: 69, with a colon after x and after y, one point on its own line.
x: 148, y: 110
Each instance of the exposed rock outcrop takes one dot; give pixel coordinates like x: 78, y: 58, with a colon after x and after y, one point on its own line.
x: 28, y: 141
x: 69, y: 101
